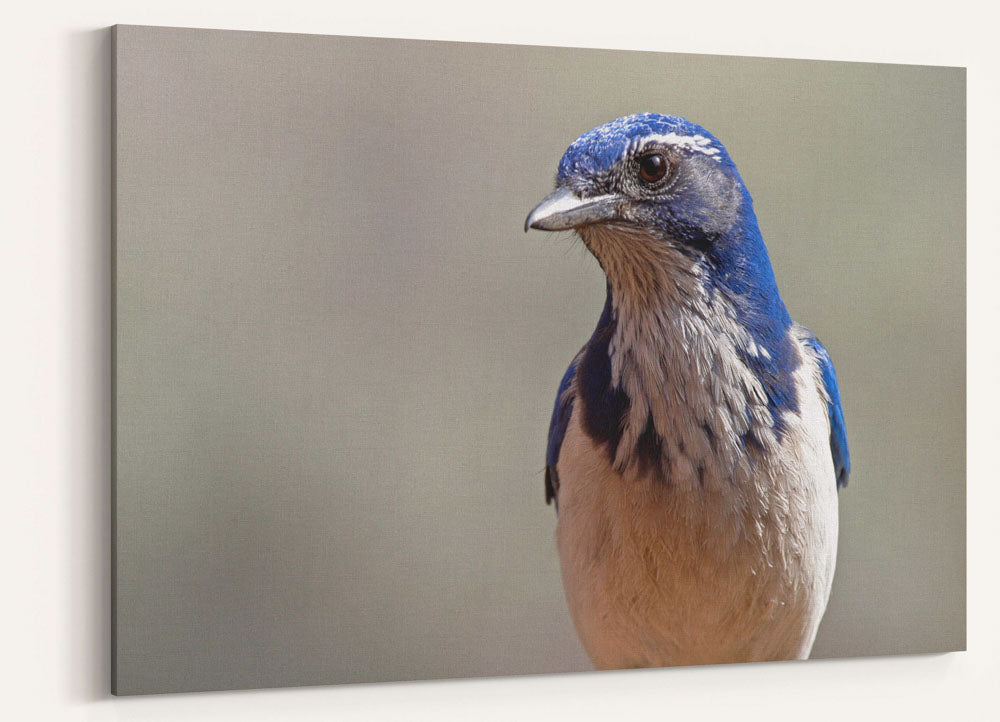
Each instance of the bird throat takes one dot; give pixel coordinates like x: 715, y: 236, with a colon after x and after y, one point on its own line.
x: 665, y: 380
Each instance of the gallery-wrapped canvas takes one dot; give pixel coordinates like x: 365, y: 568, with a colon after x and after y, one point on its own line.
x: 440, y: 359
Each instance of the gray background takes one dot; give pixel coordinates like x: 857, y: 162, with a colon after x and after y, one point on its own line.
x: 336, y: 351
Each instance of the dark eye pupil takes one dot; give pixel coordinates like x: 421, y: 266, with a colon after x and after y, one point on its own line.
x: 652, y: 168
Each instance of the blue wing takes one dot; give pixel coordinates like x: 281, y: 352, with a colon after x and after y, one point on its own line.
x: 557, y: 430
x: 838, y: 432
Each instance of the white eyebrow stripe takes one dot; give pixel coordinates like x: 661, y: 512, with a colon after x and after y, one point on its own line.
x: 695, y: 143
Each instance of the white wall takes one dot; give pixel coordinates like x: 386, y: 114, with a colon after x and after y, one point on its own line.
x: 54, y: 286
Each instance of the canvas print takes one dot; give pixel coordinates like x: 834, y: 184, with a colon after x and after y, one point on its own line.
x: 446, y: 359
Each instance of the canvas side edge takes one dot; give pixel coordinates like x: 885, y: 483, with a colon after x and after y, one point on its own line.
x: 114, y: 359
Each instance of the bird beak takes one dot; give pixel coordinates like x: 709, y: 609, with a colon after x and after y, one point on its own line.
x: 562, y: 209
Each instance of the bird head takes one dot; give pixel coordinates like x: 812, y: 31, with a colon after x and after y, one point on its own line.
x: 657, y: 199
x: 658, y: 174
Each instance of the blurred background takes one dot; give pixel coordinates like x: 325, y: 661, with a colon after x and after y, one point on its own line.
x: 337, y: 351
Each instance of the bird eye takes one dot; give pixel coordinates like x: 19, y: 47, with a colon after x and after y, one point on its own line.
x: 652, y: 168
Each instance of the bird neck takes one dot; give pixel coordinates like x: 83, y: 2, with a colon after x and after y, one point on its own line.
x: 685, y: 387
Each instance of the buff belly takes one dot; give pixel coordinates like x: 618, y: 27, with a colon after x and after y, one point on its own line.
x: 659, y: 573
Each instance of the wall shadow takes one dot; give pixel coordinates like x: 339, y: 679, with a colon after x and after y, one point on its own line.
x: 88, y: 132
